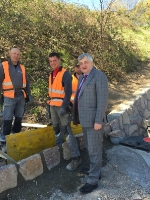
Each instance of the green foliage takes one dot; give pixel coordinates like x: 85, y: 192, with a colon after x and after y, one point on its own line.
x: 39, y: 27
x: 35, y: 110
x: 140, y: 15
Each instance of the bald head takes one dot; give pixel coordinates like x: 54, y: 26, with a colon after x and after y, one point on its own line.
x: 14, y: 54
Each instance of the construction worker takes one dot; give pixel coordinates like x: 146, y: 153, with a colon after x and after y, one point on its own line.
x: 14, y: 82
x: 60, y: 90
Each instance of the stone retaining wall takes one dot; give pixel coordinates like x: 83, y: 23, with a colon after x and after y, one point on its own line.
x: 129, y: 119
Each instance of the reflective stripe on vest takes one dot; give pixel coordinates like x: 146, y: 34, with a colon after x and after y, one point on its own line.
x: 7, y: 86
x: 56, y: 90
x: 74, y: 87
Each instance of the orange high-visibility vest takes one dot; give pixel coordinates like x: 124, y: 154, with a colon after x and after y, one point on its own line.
x: 74, y: 87
x: 56, y: 90
x: 7, y: 86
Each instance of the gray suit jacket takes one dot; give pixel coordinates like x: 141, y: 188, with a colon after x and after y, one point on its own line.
x: 93, y: 100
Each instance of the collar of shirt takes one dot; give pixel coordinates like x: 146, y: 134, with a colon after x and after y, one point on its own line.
x: 55, y: 72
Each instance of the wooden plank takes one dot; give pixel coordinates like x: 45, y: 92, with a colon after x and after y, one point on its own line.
x: 33, y: 125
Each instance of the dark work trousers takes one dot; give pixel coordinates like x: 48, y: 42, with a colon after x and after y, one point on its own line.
x: 63, y: 122
x: 13, y: 107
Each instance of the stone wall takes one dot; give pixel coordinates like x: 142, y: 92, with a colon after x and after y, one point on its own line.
x: 130, y: 118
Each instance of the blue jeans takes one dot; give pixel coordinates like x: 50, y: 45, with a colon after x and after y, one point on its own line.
x: 13, y: 107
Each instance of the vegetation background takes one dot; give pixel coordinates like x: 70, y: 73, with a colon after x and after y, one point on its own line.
x: 118, y: 37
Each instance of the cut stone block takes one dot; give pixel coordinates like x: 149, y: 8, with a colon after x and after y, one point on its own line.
x: 8, y: 177
x: 52, y: 157
x: 31, y: 167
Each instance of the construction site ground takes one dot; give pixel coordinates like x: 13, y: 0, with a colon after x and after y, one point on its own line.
x: 125, y: 172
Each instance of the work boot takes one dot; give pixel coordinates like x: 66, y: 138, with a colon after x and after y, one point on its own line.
x: 74, y: 164
x: 6, y: 129
x: 17, y: 125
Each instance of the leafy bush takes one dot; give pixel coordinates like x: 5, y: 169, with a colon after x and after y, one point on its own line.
x: 42, y: 26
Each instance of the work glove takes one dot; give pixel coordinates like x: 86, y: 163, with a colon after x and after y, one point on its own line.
x: 31, y: 99
x: 62, y: 111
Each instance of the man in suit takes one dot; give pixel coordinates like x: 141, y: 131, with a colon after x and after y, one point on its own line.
x: 89, y: 110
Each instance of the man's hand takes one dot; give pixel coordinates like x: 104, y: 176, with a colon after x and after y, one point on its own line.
x: 62, y: 111
x: 97, y: 126
x: 48, y: 101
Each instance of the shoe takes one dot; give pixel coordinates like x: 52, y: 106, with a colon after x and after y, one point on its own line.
x: 85, y: 170
x: 74, y: 164
x: 2, y: 138
x: 87, y: 188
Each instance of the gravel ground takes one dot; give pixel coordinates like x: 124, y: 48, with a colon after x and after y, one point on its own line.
x: 125, y: 176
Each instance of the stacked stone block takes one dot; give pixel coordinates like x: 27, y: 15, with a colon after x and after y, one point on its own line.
x: 130, y: 118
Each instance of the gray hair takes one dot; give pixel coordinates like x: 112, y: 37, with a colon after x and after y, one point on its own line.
x: 85, y: 55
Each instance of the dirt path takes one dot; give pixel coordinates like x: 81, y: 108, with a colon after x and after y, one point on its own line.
x: 119, y: 92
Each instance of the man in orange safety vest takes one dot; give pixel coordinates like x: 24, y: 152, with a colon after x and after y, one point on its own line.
x: 15, y: 85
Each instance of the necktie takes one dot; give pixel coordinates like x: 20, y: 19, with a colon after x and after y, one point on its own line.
x: 79, y: 89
